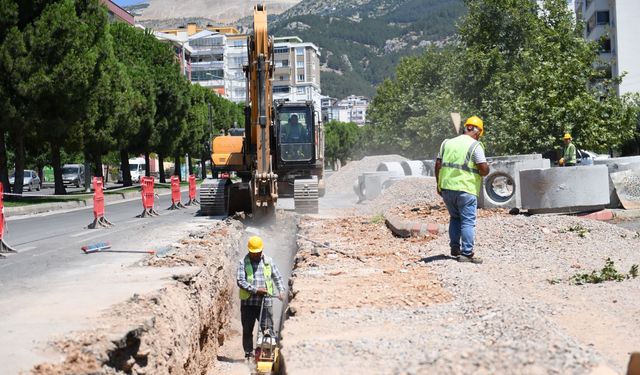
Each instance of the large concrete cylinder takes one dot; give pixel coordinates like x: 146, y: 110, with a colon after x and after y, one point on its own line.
x: 391, y: 166
x: 566, y: 190
x: 502, y: 188
x: 413, y: 168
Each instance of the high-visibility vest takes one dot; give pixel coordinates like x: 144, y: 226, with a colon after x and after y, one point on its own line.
x: 248, y: 270
x: 570, y: 154
x: 458, y: 171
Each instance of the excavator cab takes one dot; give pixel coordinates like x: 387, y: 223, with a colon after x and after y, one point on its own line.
x: 295, y: 129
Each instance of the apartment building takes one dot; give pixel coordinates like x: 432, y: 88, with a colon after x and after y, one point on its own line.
x: 208, y: 55
x: 350, y: 109
x: 297, y: 71
x: 614, y: 24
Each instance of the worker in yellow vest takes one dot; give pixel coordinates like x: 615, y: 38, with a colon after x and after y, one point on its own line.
x: 256, y: 277
x: 459, y: 168
x: 568, y: 158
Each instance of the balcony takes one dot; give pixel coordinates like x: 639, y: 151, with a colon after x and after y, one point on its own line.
x: 207, y: 65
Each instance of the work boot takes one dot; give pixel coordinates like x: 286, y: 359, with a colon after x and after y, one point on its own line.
x: 455, y: 252
x: 469, y: 259
x: 248, y: 355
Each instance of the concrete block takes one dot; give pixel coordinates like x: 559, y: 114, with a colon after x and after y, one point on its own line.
x: 501, y: 188
x: 618, y: 165
x: 566, y: 190
x: 602, y: 215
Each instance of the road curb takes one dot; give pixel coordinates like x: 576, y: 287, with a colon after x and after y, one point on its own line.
x: 602, y: 215
x: 406, y: 228
x: 58, y: 206
x: 626, y: 214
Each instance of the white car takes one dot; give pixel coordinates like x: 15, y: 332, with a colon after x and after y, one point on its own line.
x: 30, y: 181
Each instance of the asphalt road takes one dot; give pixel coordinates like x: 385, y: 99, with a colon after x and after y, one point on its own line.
x: 52, y: 242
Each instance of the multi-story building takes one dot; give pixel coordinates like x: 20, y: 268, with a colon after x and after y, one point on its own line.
x: 350, y: 109
x: 236, y: 58
x: 297, y: 71
x: 614, y: 24
x: 203, y: 56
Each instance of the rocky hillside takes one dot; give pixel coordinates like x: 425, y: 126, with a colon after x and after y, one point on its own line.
x: 361, y: 41
x: 219, y: 11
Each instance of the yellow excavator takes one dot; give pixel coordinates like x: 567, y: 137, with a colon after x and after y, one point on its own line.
x: 279, y: 152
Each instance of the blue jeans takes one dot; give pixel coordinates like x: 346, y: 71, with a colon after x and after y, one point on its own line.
x: 462, y: 223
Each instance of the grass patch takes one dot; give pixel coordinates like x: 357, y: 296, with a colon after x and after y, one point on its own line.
x: 607, y: 273
x: 578, y: 229
x: 378, y: 219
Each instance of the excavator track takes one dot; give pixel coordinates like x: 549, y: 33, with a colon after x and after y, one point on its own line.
x: 214, y: 197
x: 305, y: 195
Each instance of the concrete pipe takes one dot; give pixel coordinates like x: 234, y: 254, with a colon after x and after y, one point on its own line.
x: 501, y: 188
x: 615, y: 165
x: 413, y: 168
x: 391, y: 166
x: 565, y: 190
x: 371, y: 184
x: 429, y: 167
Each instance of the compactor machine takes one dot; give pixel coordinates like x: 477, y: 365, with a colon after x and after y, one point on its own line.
x: 279, y: 153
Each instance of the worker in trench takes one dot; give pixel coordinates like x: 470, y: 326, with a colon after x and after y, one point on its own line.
x: 256, y: 277
x: 459, y: 169
x: 568, y: 158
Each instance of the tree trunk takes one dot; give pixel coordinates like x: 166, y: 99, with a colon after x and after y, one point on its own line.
x: 4, y: 170
x: 40, y: 171
x: 124, y: 167
x: 18, y: 181
x: 57, y: 170
x: 163, y: 178
x: 204, y: 167
x: 98, y: 167
x: 189, y: 164
x: 176, y: 166
x: 147, y: 164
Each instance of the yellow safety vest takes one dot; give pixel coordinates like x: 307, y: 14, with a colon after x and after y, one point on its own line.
x: 458, y: 171
x: 248, y: 269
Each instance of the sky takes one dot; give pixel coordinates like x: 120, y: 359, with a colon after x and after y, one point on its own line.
x: 124, y: 3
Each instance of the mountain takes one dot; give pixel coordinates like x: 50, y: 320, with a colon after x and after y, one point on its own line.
x: 362, y: 41
x: 219, y: 11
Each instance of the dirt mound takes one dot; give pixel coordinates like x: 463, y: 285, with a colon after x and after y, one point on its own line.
x: 342, y: 180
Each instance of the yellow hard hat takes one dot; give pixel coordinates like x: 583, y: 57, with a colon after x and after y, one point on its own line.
x: 566, y: 136
x: 255, y: 244
x: 477, y: 122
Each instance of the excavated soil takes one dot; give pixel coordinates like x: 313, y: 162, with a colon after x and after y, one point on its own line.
x: 175, y: 330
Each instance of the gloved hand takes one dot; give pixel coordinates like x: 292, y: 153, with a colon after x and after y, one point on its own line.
x: 561, y: 161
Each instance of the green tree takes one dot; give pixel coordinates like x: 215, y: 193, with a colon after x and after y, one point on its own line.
x: 340, y: 141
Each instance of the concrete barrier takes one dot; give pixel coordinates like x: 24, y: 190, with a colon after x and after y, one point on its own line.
x: 502, y: 188
x: 615, y: 165
x: 565, y: 190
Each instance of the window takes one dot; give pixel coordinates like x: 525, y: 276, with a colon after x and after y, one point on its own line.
x: 300, y: 90
x: 299, y: 51
x: 281, y: 50
x: 239, y: 43
x: 207, y: 75
x: 602, y: 18
x: 285, y: 63
x: 280, y: 89
x: 605, y: 45
x: 300, y: 77
x: 283, y: 78
x: 299, y: 64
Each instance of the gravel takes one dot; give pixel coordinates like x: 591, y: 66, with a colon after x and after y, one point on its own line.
x: 410, y: 190
x: 518, y: 312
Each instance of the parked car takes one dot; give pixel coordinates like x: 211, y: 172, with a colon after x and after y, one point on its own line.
x: 583, y: 157
x: 30, y: 181
x: 73, y: 174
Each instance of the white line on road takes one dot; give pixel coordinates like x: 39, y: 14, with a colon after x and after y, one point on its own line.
x: 105, y: 233
x: 79, y: 234
x: 23, y: 249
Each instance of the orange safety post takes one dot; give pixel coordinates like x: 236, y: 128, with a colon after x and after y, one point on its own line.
x: 148, y: 194
x: 4, y: 247
x: 98, y: 205
x: 192, y: 191
x: 175, y: 194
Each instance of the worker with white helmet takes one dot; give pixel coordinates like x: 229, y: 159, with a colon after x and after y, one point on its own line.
x: 569, y: 155
x: 459, y: 168
x: 256, y: 277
